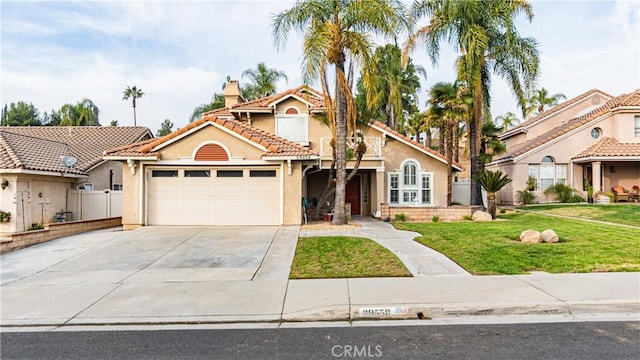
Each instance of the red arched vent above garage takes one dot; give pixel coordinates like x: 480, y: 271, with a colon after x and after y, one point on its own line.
x: 291, y: 111
x: 212, y: 152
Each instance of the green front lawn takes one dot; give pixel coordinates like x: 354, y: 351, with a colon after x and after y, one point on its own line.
x: 343, y: 257
x: 628, y: 214
x: 494, y: 247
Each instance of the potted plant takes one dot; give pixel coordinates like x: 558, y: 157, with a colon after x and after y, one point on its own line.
x: 589, y: 188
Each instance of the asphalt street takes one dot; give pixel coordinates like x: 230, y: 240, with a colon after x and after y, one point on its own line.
x: 576, y: 340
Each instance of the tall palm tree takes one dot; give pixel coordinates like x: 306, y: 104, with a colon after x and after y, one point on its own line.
x: 263, y: 81
x: 133, y: 93
x: 395, y: 88
x: 507, y: 121
x: 492, y: 182
x: 485, y: 34
x: 540, y: 100
x: 447, y: 104
x: 490, y: 144
x: 83, y: 113
x: 335, y: 32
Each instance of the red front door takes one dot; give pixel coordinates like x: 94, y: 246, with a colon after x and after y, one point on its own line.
x: 352, y: 195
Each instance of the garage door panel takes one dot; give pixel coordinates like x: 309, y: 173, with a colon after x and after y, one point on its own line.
x: 214, y: 200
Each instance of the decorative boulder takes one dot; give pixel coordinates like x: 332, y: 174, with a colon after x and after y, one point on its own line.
x: 549, y: 236
x: 530, y: 236
x: 481, y: 216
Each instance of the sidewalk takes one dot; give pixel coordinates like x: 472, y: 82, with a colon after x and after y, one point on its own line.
x: 35, y: 295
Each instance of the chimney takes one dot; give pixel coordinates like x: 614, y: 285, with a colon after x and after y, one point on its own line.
x: 232, y: 93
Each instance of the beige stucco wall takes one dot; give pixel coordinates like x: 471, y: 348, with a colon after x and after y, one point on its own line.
x: 37, y: 209
x: 558, y: 118
x: 185, y: 147
x: 99, y: 176
x: 395, y: 153
x: 292, y: 193
x: 131, y: 195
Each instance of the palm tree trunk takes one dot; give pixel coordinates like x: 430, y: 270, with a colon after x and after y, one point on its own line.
x: 449, y: 141
x: 475, y: 129
x: 134, y: 112
x: 456, y: 142
x: 339, y: 217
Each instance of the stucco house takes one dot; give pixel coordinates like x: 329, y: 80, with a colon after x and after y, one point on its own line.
x: 33, y: 179
x: 593, y: 138
x: 253, y: 162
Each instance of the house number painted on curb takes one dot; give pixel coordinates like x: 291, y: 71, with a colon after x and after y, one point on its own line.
x: 384, y: 311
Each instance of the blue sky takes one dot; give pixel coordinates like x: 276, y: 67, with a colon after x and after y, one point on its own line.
x: 180, y: 52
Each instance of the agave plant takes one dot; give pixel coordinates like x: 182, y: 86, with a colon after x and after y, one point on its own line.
x: 492, y: 182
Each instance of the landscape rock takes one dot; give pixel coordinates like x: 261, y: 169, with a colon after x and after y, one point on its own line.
x: 549, y: 236
x: 530, y: 237
x: 481, y: 216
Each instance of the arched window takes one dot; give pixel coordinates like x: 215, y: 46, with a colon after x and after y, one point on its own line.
x: 548, y: 159
x: 291, y: 111
x: 410, y: 174
x: 410, y: 185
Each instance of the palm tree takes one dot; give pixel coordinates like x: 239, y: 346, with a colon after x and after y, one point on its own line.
x: 83, y: 113
x: 448, y: 106
x: 492, y: 182
x: 490, y: 144
x: 395, y: 88
x: 336, y: 32
x: 507, y: 121
x: 263, y: 81
x: 540, y: 100
x: 133, y: 93
x: 217, y: 102
x: 485, y: 34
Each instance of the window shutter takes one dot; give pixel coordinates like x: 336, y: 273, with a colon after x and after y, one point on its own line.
x: 211, y: 152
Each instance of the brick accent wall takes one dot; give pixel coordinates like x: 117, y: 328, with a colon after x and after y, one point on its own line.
x: 426, y: 214
x: 14, y: 241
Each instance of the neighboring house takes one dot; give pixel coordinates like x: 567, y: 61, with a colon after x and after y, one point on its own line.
x: 253, y: 162
x: 34, y: 179
x: 592, y: 138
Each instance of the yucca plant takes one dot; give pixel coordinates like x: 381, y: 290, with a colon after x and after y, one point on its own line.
x: 492, y: 182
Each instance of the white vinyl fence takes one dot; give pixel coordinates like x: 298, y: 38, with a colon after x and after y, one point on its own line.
x: 89, y: 205
x: 461, y: 192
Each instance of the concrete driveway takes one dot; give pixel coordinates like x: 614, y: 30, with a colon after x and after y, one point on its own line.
x: 109, y: 275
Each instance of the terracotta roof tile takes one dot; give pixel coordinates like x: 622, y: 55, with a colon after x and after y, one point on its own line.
x: 610, y: 147
x: 631, y: 99
x: 40, y: 147
x: 559, y: 107
x: 415, y: 143
x: 264, y: 104
x: 274, y: 145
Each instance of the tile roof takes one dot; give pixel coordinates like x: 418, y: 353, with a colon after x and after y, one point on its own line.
x: 557, y: 109
x: 631, y: 99
x: 415, y: 143
x: 275, y: 146
x: 40, y: 147
x: 307, y: 93
x: 610, y: 147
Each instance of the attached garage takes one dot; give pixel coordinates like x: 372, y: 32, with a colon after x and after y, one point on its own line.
x: 214, y: 196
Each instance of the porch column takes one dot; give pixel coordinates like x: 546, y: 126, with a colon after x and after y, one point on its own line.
x: 377, y: 191
x: 597, y: 186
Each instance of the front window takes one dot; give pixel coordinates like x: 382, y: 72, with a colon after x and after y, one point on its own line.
x: 637, y: 126
x: 410, y: 186
x: 548, y: 173
x: 293, y: 128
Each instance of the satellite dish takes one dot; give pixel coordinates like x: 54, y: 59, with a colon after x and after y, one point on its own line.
x: 68, y: 161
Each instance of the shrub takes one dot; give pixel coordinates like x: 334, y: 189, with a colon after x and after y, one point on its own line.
x: 5, y: 216
x: 401, y: 217
x: 564, y: 193
x: 502, y: 211
x: 467, y: 217
x: 35, y: 226
x: 576, y: 199
x: 526, y: 197
x: 435, y: 219
x: 456, y: 203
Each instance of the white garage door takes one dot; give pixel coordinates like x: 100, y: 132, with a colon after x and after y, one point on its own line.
x: 219, y: 196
